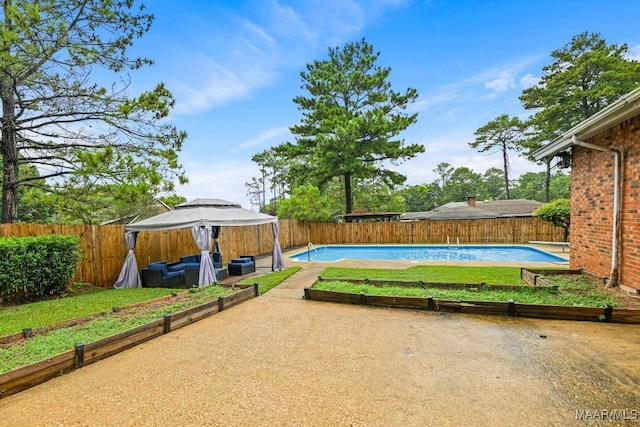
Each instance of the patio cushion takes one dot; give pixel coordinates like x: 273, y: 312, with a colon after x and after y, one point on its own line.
x: 189, y: 259
x: 174, y: 274
x: 177, y: 266
x: 159, y: 265
x: 242, y: 260
x: 192, y: 265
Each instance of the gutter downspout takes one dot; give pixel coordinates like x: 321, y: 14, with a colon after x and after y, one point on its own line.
x: 613, y: 277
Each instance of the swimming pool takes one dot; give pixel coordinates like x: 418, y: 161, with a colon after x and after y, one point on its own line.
x: 500, y: 253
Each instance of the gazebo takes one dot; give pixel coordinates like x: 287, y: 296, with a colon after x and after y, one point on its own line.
x: 204, y: 217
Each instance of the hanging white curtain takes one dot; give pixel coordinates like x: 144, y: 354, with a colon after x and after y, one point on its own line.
x: 129, y: 276
x: 277, y: 261
x: 202, y: 237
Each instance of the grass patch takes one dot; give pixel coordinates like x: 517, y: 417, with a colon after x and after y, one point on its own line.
x: 94, y: 300
x: 432, y: 273
x: 271, y: 280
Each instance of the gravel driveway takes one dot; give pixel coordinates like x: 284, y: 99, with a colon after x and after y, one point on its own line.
x: 279, y: 360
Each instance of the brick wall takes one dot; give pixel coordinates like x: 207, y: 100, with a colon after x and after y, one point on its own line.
x: 592, y: 204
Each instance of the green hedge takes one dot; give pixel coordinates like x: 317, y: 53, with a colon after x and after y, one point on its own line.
x: 31, y: 267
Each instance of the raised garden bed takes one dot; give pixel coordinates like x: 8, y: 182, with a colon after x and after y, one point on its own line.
x: 86, y: 353
x: 506, y: 308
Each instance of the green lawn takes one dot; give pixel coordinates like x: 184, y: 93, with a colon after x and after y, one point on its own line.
x: 269, y: 281
x: 42, y: 313
x: 432, y: 274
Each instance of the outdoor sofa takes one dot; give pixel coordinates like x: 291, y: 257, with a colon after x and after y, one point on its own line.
x: 242, y: 265
x: 161, y: 274
x: 184, y: 273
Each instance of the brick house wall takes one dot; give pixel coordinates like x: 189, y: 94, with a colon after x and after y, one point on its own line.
x: 592, y: 204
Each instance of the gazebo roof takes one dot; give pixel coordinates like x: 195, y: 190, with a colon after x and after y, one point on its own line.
x: 202, y: 212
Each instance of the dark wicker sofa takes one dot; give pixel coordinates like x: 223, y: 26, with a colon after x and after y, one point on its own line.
x: 242, y: 265
x: 163, y: 275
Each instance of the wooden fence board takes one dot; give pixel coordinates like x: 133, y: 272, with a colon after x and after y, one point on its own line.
x: 394, y: 301
x: 558, y: 312
x: 186, y: 317
x: 625, y: 315
x: 239, y: 297
x: 331, y: 296
x: 28, y: 376
x: 101, y: 349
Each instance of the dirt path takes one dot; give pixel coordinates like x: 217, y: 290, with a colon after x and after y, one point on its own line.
x: 279, y: 360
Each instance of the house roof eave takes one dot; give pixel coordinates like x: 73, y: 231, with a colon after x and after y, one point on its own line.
x: 624, y: 108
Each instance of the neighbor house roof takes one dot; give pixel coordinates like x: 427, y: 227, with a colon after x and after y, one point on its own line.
x: 482, y: 209
x: 619, y: 111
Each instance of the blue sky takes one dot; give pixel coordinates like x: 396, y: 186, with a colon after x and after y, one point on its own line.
x: 234, y: 68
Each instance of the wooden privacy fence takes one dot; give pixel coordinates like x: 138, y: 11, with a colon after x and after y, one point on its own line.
x: 494, y: 230
x: 104, y: 248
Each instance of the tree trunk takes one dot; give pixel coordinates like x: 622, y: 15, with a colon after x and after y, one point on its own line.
x: 505, y: 159
x: 9, y: 152
x: 348, y: 197
x: 547, y: 181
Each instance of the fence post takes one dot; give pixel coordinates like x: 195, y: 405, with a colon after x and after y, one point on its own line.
x: 256, y: 290
x: 79, y: 355
x: 220, y: 303
x: 167, y: 323
x: 512, y: 308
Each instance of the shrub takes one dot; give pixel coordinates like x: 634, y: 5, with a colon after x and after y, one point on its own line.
x: 558, y: 213
x: 32, y: 267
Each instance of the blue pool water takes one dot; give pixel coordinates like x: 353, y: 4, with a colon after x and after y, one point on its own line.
x: 428, y: 253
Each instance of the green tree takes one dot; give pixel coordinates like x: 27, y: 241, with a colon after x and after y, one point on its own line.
x: 351, y: 120
x: 55, y: 117
x: 306, y: 204
x: 493, y: 184
x: 585, y: 76
x: 560, y: 187
x: 463, y: 183
x: 173, y: 200
x: 558, y: 213
x: 35, y: 202
x: 275, y: 172
x: 531, y: 186
x: 444, y: 171
x: 419, y: 198
x: 503, y: 134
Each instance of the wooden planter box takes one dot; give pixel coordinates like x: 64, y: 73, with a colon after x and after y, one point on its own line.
x: 20, y: 379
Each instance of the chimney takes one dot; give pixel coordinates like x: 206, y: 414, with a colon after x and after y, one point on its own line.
x: 471, y: 201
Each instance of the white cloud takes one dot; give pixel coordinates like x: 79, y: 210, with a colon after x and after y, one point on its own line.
x: 266, y: 136
x: 246, y: 53
x: 528, y: 80
x: 218, y: 180
x: 503, y: 83
x: 634, y: 52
